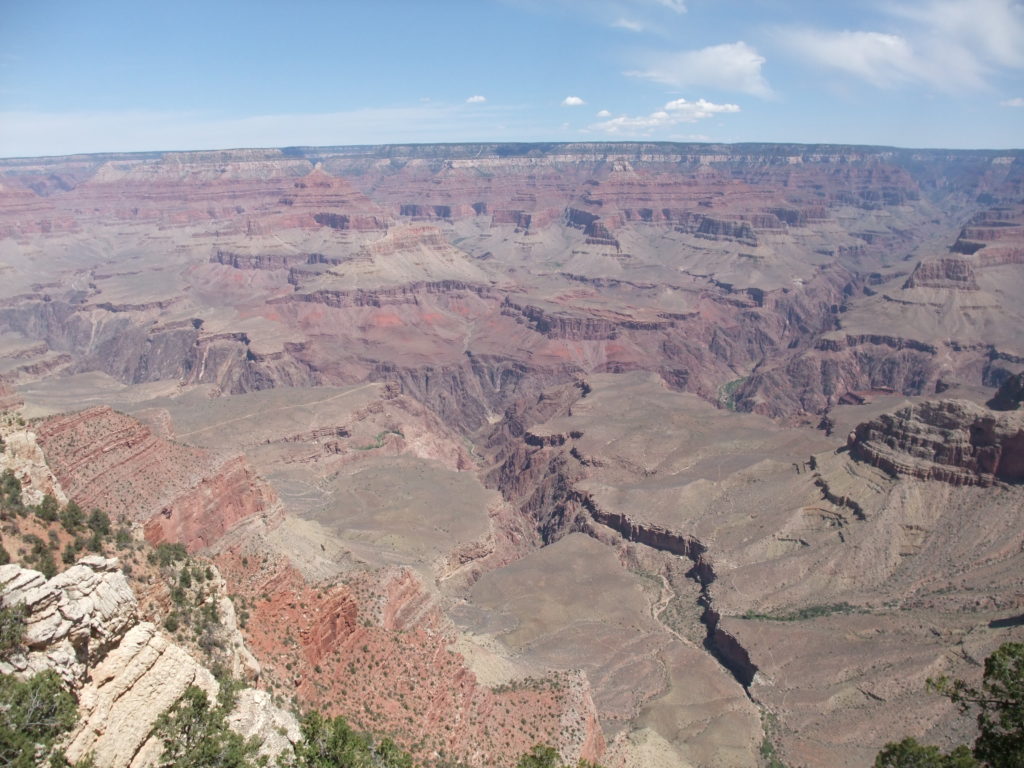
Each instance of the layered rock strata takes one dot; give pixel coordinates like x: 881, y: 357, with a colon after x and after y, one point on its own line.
x: 954, y: 441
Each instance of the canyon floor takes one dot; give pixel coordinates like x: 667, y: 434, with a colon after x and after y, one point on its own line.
x: 667, y: 455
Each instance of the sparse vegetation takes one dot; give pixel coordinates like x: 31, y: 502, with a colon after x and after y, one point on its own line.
x: 330, y: 741
x: 378, y: 440
x: 1000, y: 706
x: 12, y: 628
x: 910, y: 754
x: 769, y: 755
x: 546, y: 756
x: 195, y: 733
x: 802, y: 614
x: 167, y: 554
x: 727, y: 394
x: 35, y: 711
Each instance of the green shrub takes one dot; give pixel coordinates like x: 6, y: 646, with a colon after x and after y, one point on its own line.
x: 48, y: 509
x: 99, y: 522
x: 910, y: 754
x: 12, y: 628
x: 35, y: 712
x: 72, y: 518
x: 195, y: 733
x: 123, y: 538
x: 171, y: 623
x: 1000, y: 706
x: 168, y: 554
x: 10, y: 492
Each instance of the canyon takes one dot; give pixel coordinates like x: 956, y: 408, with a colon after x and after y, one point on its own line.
x: 662, y: 454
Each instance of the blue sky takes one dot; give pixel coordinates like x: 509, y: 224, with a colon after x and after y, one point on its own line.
x: 96, y: 76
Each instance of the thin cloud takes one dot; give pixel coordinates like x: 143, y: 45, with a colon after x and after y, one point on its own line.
x: 729, y: 66
x: 1015, y: 102
x: 477, y: 99
x: 673, y: 5
x: 632, y: 26
x: 947, y: 45
x: 573, y: 101
x: 993, y: 28
x: 604, y: 113
x: 673, y: 113
x: 881, y: 59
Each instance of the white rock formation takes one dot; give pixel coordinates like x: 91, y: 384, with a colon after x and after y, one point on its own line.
x: 256, y: 715
x: 83, y: 624
x: 23, y: 455
x: 137, y: 682
x: 72, y: 619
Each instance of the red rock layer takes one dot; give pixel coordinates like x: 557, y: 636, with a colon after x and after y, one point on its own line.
x: 376, y: 651
x: 182, y: 494
x: 245, y: 191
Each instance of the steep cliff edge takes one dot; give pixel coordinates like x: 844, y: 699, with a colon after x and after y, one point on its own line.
x: 951, y: 440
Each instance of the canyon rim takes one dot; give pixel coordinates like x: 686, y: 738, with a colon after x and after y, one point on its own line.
x: 662, y: 454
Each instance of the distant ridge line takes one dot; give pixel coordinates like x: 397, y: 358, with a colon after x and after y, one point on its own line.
x: 469, y: 150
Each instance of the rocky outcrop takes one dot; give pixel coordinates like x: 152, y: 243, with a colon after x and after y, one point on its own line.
x: 128, y: 691
x: 23, y: 456
x: 256, y: 715
x: 9, y: 399
x: 262, y: 260
x: 950, y: 272
x: 951, y: 440
x: 125, y: 674
x: 718, y: 229
x: 1010, y: 394
x: 204, y: 513
x: 73, y: 619
x: 376, y: 650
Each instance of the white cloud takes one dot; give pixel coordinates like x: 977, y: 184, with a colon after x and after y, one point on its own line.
x: 604, y: 113
x: 729, y: 66
x: 945, y: 44
x: 632, y: 26
x: 573, y: 101
x: 477, y: 99
x: 673, y: 113
x: 1015, y: 102
x: 673, y: 5
x: 879, y: 58
x: 994, y: 29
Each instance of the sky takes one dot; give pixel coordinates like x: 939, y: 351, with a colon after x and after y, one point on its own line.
x: 118, y: 76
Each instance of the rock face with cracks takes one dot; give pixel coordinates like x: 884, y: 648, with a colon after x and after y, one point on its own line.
x: 124, y: 673
x: 73, y: 619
